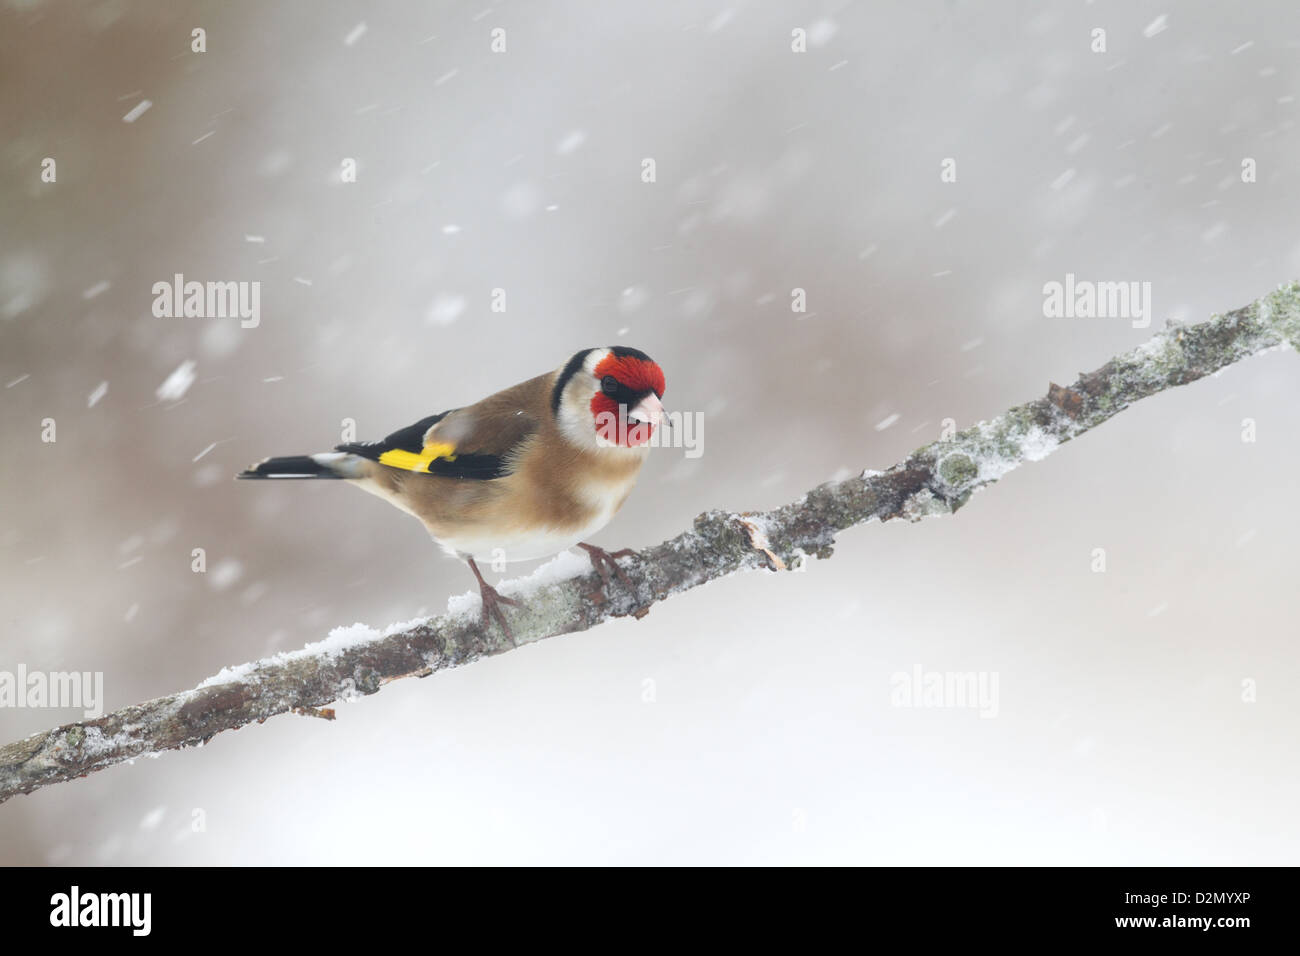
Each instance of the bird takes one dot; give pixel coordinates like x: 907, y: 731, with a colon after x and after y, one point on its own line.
x: 522, y: 474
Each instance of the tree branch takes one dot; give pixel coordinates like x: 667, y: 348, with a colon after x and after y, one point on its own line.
x: 935, y: 480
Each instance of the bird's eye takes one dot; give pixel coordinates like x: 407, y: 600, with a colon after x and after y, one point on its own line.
x: 609, y: 385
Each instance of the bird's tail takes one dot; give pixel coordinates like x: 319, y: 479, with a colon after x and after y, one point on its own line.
x: 328, y: 465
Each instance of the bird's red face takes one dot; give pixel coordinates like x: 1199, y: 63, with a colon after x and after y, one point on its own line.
x: 627, y: 407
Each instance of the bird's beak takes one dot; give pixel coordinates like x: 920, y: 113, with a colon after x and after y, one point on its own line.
x: 648, y: 411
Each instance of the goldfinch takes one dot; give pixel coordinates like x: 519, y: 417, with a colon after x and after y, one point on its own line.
x: 523, y: 474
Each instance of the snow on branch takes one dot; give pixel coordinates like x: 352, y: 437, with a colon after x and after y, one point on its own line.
x: 563, y: 596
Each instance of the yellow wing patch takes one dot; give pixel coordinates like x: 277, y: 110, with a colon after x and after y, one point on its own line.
x: 418, y: 461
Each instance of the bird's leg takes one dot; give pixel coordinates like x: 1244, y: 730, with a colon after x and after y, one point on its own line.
x: 492, y: 600
x: 603, y: 561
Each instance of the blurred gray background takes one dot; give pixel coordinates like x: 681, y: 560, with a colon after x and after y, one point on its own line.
x: 1121, y: 736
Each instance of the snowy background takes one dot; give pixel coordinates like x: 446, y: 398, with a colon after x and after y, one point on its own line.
x: 1121, y: 734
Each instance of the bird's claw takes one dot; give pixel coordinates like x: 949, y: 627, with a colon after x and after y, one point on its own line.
x: 492, y: 600
x: 604, y: 561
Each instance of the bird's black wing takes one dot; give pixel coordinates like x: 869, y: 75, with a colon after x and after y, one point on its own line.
x: 478, y: 442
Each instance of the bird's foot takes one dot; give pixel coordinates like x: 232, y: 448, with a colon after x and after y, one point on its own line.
x: 492, y: 600
x: 605, y: 561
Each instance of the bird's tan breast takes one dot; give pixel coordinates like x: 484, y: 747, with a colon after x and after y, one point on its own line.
x: 556, y: 496
x: 570, y: 488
